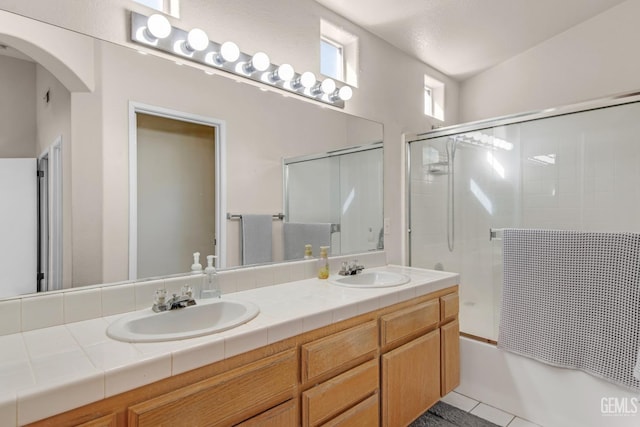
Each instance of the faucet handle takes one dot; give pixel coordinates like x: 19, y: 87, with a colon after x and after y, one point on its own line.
x: 186, y: 291
x: 160, y: 296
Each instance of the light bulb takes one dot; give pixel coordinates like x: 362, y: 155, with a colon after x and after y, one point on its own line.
x: 158, y: 26
x: 260, y: 61
x: 285, y: 72
x: 345, y: 93
x: 328, y: 86
x: 308, y: 79
x: 197, y: 40
x: 229, y: 51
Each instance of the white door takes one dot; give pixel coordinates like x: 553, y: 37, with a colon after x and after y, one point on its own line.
x: 18, y: 226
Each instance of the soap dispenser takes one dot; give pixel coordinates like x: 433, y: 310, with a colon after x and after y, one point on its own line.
x: 210, y: 281
x: 323, y: 263
x: 308, y: 253
x: 196, y: 267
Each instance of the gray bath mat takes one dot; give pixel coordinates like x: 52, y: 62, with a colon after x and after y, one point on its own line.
x: 444, y: 415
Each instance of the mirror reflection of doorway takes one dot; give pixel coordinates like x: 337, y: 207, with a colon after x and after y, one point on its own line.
x: 176, y: 194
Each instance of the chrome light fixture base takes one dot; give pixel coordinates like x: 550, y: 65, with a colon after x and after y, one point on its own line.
x: 213, y: 57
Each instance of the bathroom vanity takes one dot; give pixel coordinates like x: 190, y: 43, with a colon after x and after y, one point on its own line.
x: 385, y: 356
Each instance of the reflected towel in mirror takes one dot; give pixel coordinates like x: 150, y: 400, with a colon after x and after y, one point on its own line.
x: 298, y: 234
x: 257, y: 237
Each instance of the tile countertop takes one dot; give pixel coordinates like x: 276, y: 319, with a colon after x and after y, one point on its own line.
x: 48, y: 371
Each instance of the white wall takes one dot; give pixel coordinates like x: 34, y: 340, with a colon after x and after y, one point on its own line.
x: 591, y: 60
x: 390, y: 82
x: 18, y: 109
x: 53, y: 121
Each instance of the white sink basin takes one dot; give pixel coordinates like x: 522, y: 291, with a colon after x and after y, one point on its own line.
x: 371, y: 279
x: 206, y: 317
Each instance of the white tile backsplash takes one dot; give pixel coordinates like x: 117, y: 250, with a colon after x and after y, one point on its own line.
x: 145, y: 292
x: 56, y: 308
x: 245, y: 279
x: 42, y: 311
x: 118, y: 299
x: 10, y: 317
x: 82, y: 305
x: 227, y: 282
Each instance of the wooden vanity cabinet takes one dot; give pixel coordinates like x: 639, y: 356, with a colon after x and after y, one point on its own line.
x: 224, y: 399
x: 385, y: 367
x: 420, y: 360
x: 340, y: 356
x: 283, y: 415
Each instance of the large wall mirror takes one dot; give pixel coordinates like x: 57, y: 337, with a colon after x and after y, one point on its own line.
x: 88, y: 133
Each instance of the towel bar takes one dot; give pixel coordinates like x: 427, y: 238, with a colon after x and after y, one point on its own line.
x: 493, y: 233
x: 231, y: 216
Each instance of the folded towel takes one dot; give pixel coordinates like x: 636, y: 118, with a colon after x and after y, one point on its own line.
x: 572, y: 299
x: 297, y: 235
x: 257, y: 237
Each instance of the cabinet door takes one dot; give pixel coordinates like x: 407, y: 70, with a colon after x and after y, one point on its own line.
x: 224, y: 399
x: 410, y: 380
x: 364, y: 414
x: 450, y: 354
x: 284, y: 415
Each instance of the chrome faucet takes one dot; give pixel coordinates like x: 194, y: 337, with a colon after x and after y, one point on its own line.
x: 350, y: 268
x: 175, y: 302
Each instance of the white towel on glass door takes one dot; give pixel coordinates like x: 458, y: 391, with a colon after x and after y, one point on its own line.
x: 572, y: 299
x: 257, y: 239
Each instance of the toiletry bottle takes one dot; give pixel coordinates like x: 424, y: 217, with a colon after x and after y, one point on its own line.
x: 210, y: 281
x: 308, y: 254
x: 196, y: 267
x: 323, y: 263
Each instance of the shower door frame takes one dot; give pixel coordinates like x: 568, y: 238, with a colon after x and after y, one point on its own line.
x: 596, y: 104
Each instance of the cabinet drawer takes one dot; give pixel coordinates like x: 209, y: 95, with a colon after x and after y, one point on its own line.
x: 410, y: 321
x: 106, y: 421
x: 449, y: 305
x: 224, y: 399
x: 284, y: 415
x: 338, y: 352
x: 332, y: 397
x: 364, y: 414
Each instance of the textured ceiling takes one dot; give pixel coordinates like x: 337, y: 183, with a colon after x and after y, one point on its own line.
x: 463, y: 37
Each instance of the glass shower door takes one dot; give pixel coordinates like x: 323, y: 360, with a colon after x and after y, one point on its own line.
x: 462, y: 187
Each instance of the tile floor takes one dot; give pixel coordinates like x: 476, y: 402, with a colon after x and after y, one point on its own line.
x: 489, y: 413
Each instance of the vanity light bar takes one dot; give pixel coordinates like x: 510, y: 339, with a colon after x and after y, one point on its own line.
x: 156, y: 32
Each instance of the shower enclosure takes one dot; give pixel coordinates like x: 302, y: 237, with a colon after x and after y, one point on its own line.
x: 576, y: 168
x: 343, y: 188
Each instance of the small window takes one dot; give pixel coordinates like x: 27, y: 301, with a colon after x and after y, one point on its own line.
x: 338, y: 53
x: 170, y: 7
x: 331, y: 59
x: 433, y: 97
x: 428, y: 101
